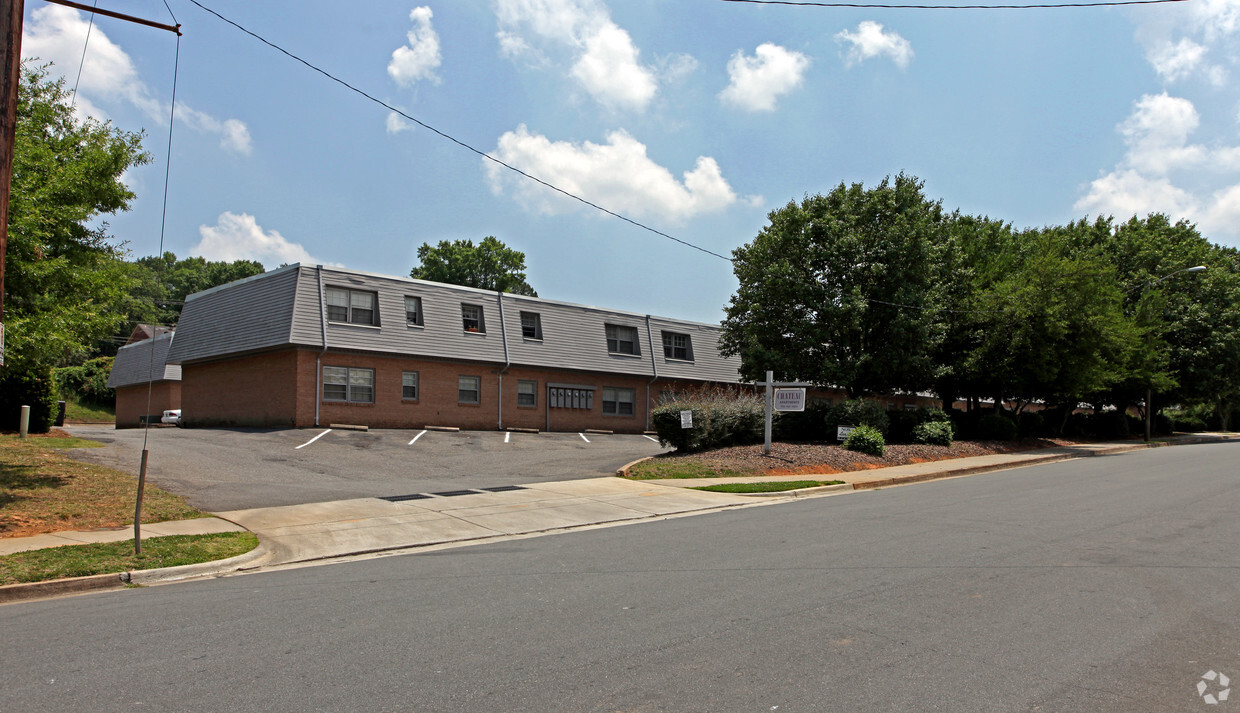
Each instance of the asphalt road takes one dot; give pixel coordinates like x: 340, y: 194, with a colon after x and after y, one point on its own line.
x: 1102, y: 585
x: 234, y: 469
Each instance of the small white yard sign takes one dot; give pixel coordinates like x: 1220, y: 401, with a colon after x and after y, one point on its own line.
x: 841, y: 432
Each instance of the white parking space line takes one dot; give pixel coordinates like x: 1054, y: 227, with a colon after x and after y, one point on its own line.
x: 653, y: 439
x: 312, y: 440
x: 415, y: 438
x: 507, y: 436
x: 583, y: 437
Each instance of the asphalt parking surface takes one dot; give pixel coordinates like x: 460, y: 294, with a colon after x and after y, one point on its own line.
x: 235, y: 469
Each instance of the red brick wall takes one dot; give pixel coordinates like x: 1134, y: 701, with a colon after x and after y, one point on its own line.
x: 131, y: 402
x: 248, y: 391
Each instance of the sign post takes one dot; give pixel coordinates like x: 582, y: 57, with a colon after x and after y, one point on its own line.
x: 782, y: 399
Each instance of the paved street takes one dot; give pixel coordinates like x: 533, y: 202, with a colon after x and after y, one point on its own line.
x: 233, y: 469
x: 1101, y: 584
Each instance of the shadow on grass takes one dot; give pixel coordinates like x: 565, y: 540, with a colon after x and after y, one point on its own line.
x: 24, y: 477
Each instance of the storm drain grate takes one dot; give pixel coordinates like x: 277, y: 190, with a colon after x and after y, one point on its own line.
x: 503, y: 488
x: 454, y: 493
x: 402, y: 498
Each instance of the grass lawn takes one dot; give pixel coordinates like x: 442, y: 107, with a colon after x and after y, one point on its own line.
x: 42, y: 490
x: 81, y: 413
x: 773, y: 486
x: 108, y: 557
x: 656, y: 468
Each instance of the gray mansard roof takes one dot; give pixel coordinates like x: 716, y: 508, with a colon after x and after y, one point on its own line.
x: 284, y: 307
x: 133, y: 363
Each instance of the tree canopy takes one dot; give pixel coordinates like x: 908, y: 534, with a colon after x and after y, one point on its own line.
x: 877, y: 291
x: 65, y: 279
x: 489, y: 265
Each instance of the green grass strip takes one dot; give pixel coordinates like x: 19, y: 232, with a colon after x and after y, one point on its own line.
x: 773, y: 486
x: 655, y: 469
x: 109, y: 557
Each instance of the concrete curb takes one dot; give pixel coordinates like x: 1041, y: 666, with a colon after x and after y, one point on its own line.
x: 623, y: 471
x: 59, y: 587
x: 100, y: 582
x: 801, y: 492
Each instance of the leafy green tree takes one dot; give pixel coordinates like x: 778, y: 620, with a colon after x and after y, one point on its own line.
x: 489, y: 265
x: 65, y: 278
x: 163, y: 283
x: 1055, y: 328
x: 842, y: 290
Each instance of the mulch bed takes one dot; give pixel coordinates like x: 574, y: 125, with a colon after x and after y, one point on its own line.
x: 827, y: 458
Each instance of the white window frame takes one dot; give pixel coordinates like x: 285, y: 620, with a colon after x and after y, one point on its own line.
x: 476, y: 390
x: 527, y: 393
x: 417, y: 320
x: 535, y: 325
x: 351, y: 309
x: 612, y: 394
x: 405, y: 384
x: 358, y: 383
x: 670, y: 348
x: 615, y: 343
x: 481, y: 327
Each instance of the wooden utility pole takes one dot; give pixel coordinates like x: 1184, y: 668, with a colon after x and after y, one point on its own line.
x: 11, y: 12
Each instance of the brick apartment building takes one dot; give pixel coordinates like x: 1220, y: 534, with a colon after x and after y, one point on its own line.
x: 306, y: 346
x: 146, y: 385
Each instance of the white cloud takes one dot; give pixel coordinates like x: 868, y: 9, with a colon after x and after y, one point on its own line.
x: 1163, y: 172
x: 57, y: 34
x: 239, y: 237
x: 397, y: 123
x: 604, y: 59
x: 617, y: 175
x: 756, y: 82
x: 421, y: 57
x: 1178, y: 60
x: 871, y: 41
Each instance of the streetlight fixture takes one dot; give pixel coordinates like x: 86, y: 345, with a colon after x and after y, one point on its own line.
x: 1149, y: 390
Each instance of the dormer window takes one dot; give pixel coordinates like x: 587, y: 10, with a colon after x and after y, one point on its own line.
x: 677, y: 346
x: 471, y: 318
x: 351, y: 306
x: 531, y: 325
x: 622, y: 339
x: 413, y: 311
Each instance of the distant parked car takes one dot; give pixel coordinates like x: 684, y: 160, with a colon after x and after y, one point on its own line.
x: 173, y: 417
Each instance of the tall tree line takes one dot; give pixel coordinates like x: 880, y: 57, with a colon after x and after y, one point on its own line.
x: 881, y: 290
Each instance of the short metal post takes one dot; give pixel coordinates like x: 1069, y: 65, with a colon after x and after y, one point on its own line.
x: 137, y: 508
x: 23, y: 427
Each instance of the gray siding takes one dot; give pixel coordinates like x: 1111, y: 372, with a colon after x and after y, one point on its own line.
x: 226, y: 320
x: 243, y: 316
x: 133, y: 363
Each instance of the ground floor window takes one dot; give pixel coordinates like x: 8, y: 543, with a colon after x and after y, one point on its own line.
x: 469, y: 389
x: 618, y: 402
x: 351, y: 384
x: 527, y: 393
x: 409, y: 385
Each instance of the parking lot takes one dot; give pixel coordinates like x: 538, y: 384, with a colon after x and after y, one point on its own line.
x: 233, y: 469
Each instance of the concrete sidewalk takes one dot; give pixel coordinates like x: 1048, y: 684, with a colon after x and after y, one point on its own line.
x: 319, y: 531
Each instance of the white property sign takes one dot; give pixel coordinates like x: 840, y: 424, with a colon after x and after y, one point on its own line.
x: 686, y: 419
x: 841, y: 432
x: 789, y: 399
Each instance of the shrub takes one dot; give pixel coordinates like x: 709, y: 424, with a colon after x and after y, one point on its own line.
x: 858, y: 412
x: 807, y: 425
x: 720, y: 418
x: 87, y: 384
x: 866, y: 439
x: 935, y: 433
x: 26, y: 386
x: 994, y: 427
x: 1030, y: 424
x: 1187, y: 421
x: 1109, y: 424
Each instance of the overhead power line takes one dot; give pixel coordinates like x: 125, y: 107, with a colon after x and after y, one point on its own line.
x: 887, y: 6
x: 455, y: 140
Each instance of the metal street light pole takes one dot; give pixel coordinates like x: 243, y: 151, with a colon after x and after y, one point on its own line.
x: 1149, y: 389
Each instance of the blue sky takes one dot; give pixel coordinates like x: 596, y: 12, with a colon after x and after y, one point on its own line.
x: 694, y: 117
